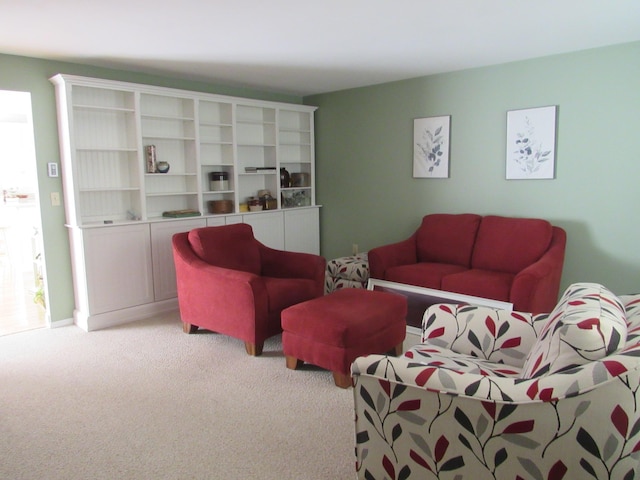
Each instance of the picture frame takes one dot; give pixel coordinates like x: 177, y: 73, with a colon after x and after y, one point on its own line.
x: 431, y: 139
x: 531, y: 143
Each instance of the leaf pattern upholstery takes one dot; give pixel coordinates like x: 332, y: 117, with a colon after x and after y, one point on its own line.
x: 457, y: 405
x: 347, y: 272
x: 497, y: 335
x: 588, y: 323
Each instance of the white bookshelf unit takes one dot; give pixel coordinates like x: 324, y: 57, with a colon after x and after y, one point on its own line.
x: 120, y: 241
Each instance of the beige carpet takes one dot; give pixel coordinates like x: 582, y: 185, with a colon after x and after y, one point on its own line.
x: 146, y: 401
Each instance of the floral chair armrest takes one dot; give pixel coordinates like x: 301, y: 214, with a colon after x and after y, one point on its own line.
x: 463, y: 378
x: 415, y: 420
x: 492, y: 334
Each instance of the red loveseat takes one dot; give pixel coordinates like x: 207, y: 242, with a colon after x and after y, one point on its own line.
x: 230, y: 283
x: 516, y: 260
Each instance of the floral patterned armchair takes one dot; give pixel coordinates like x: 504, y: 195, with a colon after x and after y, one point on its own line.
x: 490, y: 394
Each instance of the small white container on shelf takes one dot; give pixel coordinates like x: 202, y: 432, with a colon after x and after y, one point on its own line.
x: 218, y: 181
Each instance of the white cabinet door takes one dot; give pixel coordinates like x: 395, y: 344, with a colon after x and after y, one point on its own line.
x: 164, y: 270
x: 215, y: 221
x: 302, y: 230
x: 268, y: 227
x: 118, y: 267
x: 231, y: 219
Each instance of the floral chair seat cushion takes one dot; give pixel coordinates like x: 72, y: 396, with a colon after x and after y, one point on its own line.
x: 588, y: 324
x: 457, y: 364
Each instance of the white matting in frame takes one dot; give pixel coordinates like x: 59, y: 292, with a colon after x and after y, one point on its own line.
x: 431, y: 147
x: 531, y: 143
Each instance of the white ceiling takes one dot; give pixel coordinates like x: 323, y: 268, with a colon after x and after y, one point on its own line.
x: 301, y: 47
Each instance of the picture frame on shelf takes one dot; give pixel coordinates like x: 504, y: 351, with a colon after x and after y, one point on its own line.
x: 431, y: 140
x: 531, y: 143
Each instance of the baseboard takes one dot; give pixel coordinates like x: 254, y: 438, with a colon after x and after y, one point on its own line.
x: 127, y: 315
x: 65, y: 322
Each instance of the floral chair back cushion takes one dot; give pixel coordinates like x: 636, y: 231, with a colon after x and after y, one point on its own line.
x: 588, y: 324
x: 496, y: 335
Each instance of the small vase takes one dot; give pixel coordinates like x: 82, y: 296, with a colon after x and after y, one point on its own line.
x: 163, y: 167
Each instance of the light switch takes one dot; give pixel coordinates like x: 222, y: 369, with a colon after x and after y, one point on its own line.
x: 52, y: 169
x: 55, y: 199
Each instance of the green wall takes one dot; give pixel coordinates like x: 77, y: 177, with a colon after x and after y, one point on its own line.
x: 32, y: 75
x: 364, y: 157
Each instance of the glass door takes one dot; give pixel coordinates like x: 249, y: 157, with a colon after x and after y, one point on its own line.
x: 22, y: 298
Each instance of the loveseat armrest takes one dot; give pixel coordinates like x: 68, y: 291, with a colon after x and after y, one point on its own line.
x: 488, y: 333
x: 392, y: 255
x: 536, y: 288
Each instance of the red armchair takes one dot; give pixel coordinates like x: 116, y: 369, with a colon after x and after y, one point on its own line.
x: 230, y: 283
x: 516, y: 260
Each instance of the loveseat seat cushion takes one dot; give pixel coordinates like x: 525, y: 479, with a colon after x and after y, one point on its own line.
x: 588, y: 324
x: 229, y: 246
x: 424, y: 274
x: 447, y: 238
x: 480, y: 283
x: 510, y: 244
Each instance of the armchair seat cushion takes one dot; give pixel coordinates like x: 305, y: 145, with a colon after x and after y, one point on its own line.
x: 425, y: 274
x: 480, y: 283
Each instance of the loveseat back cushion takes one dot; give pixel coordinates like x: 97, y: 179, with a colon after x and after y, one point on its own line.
x: 588, y: 324
x: 447, y: 238
x: 227, y: 246
x: 507, y: 244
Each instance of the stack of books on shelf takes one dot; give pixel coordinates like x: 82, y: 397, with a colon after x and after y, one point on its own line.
x: 181, y: 213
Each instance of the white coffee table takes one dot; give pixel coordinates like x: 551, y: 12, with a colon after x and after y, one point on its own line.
x: 420, y: 298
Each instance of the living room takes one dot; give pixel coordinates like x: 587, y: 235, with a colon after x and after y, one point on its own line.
x: 364, y: 156
x: 364, y: 139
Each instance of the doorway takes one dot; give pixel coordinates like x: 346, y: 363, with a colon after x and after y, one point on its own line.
x: 21, y: 267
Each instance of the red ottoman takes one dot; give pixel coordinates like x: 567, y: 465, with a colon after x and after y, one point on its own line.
x: 333, y: 330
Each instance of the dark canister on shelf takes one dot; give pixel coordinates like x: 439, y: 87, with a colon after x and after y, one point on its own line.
x: 219, y: 181
x: 285, y: 179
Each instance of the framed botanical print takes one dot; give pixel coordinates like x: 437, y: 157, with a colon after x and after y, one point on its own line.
x: 431, y: 138
x: 531, y: 143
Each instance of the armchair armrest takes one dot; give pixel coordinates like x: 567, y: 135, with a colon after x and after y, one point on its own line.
x: 535, y: 289
x: 284, y: 264
x: 392, y: 255
x: 488, y: 333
